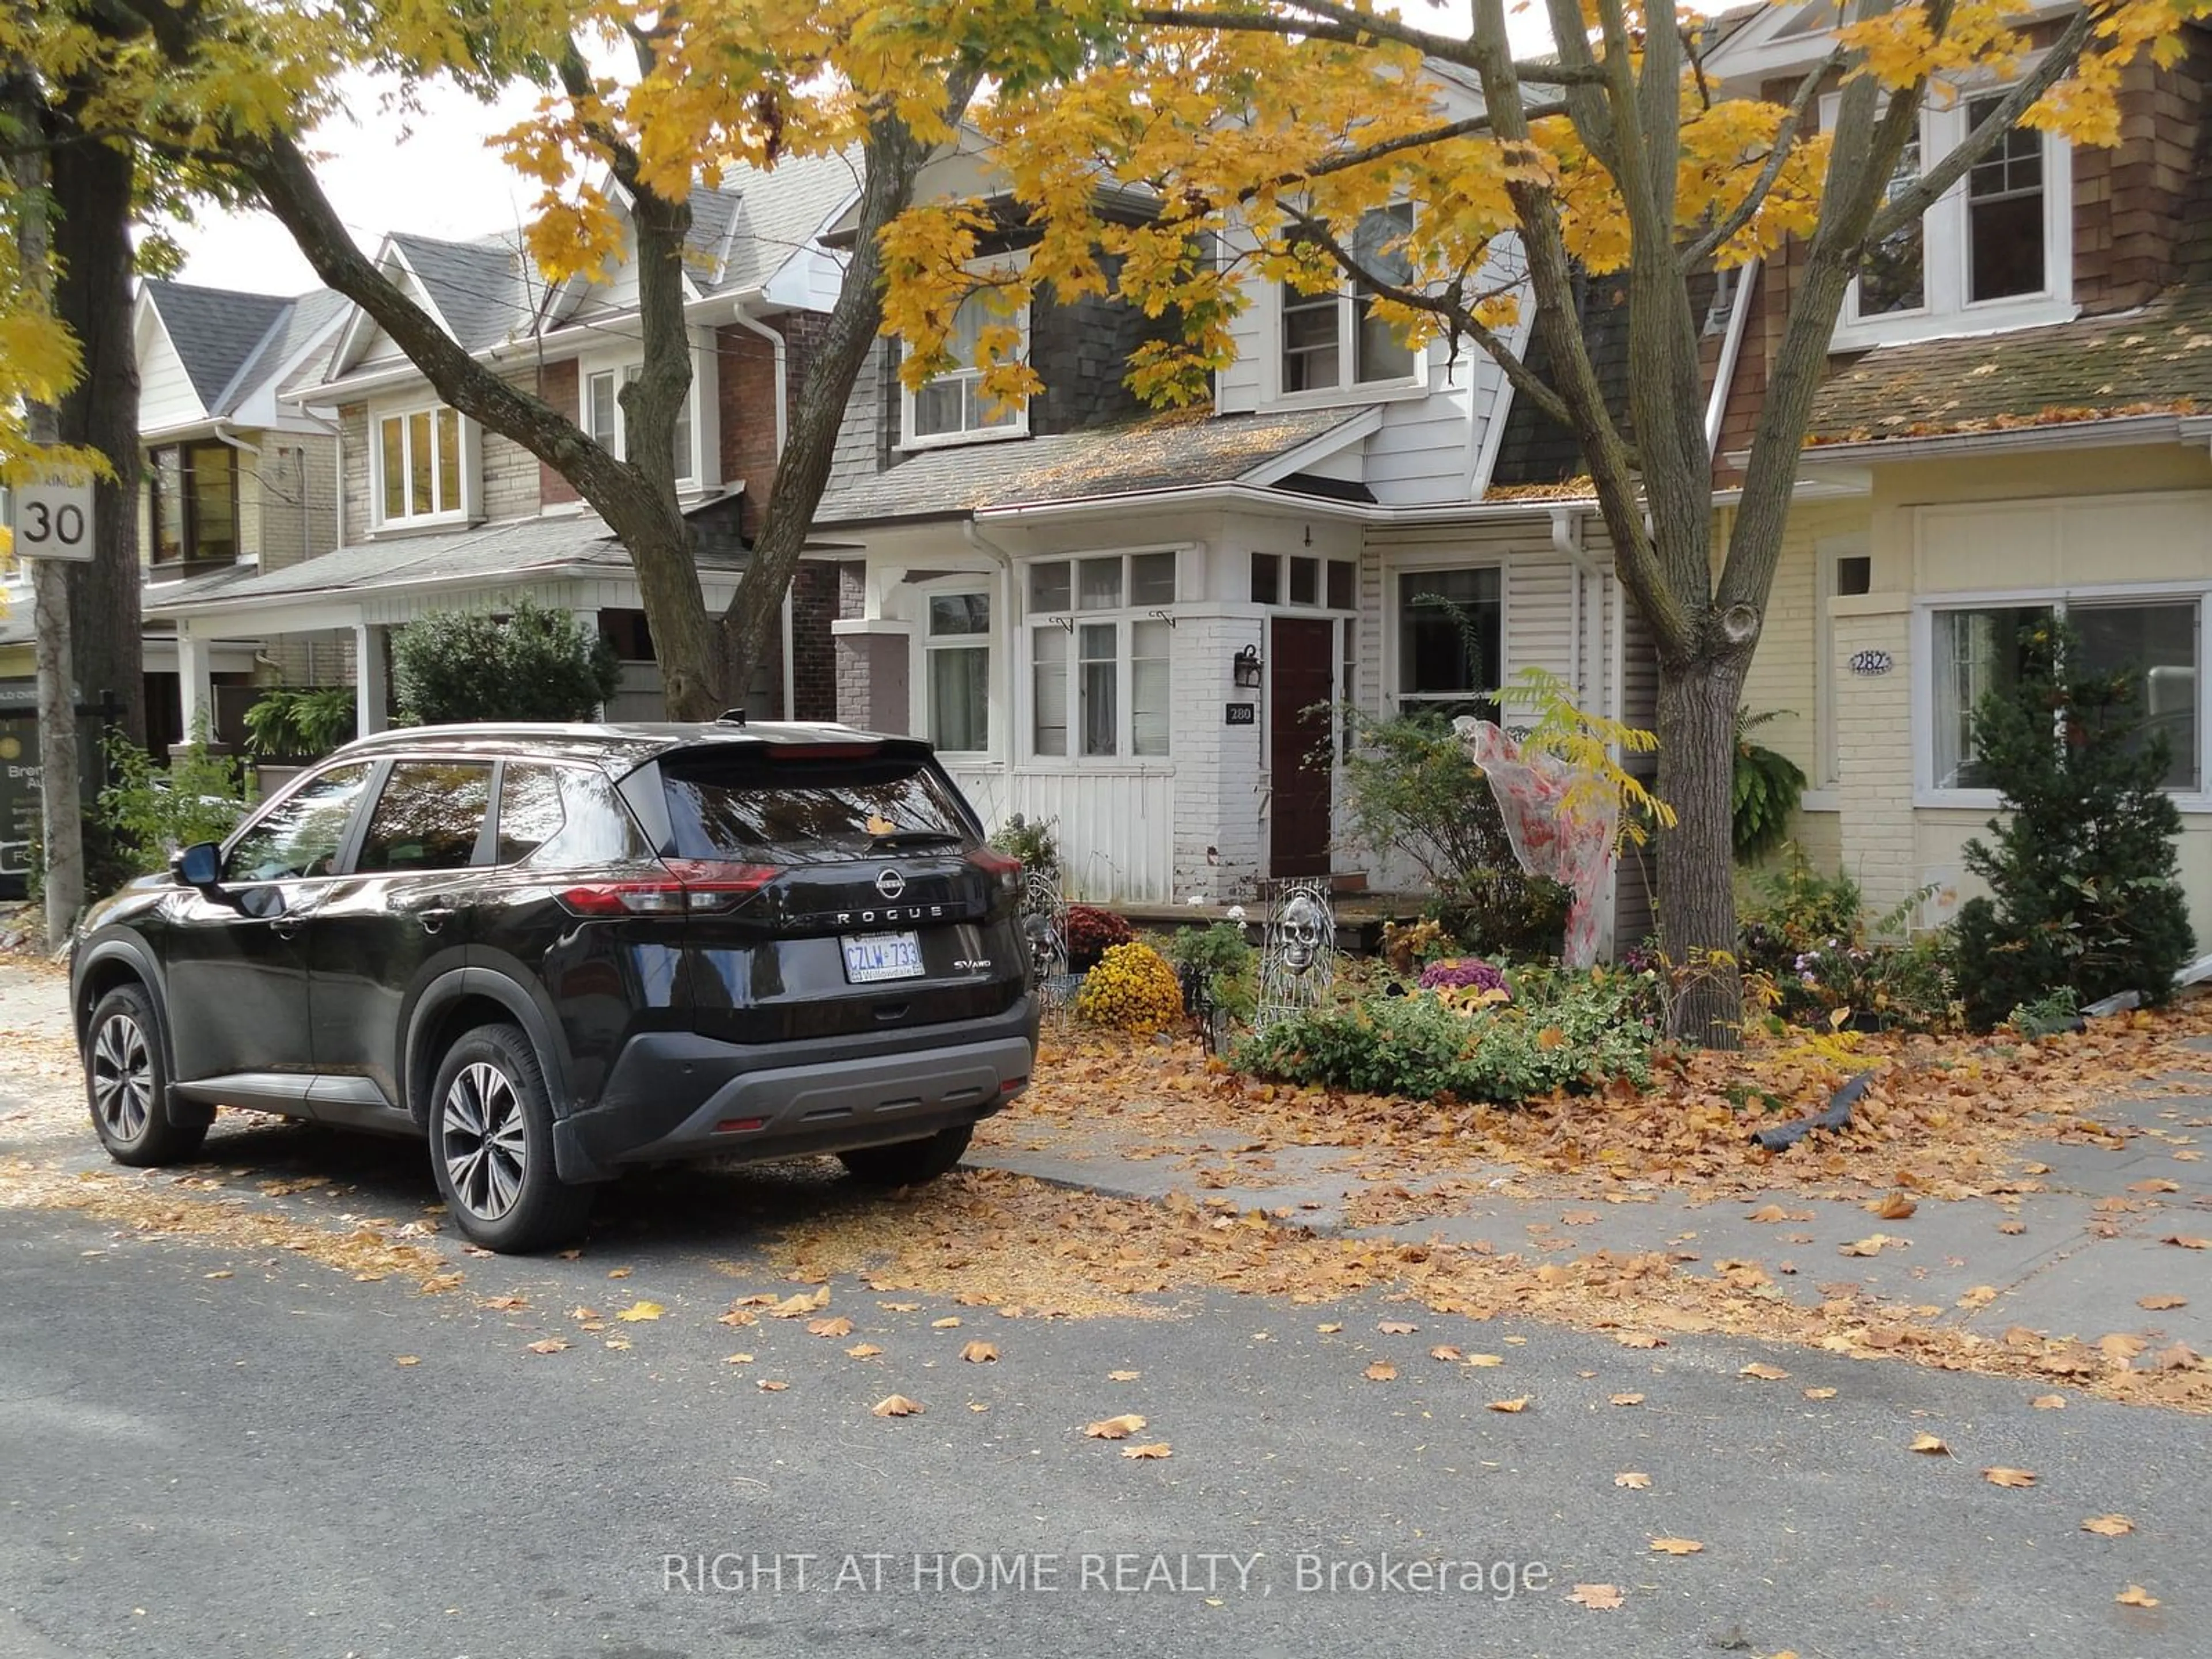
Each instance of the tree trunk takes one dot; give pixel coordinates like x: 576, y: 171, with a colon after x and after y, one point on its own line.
x: 1697, y: 703
x: 92, y: 192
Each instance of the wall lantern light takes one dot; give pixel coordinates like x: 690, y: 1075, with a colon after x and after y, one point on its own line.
x: 1245, y: 667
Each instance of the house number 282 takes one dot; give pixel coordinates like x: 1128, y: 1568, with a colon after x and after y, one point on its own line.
x: 1870, y: 662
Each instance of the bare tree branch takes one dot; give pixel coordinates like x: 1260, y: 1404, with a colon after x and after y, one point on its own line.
x: 1343, y: 24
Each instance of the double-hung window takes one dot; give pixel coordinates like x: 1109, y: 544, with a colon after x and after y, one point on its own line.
x: 607, y: 425
x: 1978, y: 652
x: 958, y: 650
x: 418, y: 461
x: 1993, y: 252
x: 1101, y: 657
x: 953, y: 406
x: 1333, y: 340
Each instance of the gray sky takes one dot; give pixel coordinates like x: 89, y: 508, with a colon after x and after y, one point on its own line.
x: 434, y: 173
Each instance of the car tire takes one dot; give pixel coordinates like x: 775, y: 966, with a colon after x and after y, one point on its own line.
x: 126, y: 1083
x: 909, y: 1162
x: 491, y: 1145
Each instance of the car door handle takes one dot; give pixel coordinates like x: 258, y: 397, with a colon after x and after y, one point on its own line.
x: 434, y: 917
x: 285, y: 926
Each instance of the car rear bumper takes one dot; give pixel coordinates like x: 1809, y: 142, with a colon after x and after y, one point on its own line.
x: 676, y: 1095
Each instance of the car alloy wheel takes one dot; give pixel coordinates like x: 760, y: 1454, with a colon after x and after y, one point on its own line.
x: 485, y: 1141
x: 122, y: 1071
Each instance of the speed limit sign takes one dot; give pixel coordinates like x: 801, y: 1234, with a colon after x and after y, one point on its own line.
x: 54, y: 521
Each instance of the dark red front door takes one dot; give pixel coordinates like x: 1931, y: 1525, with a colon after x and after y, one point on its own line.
x: 1301, y: 675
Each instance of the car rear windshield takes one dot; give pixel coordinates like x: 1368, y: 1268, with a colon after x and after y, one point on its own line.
x: 760, y: 810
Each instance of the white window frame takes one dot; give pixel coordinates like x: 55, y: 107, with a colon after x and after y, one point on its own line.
x: 1443, y: 559
x: 927, y: 644
x: 1017, y: 427
x: 1348, y: 389
x: 617, y: 442
x: 471, y: 467
x: 1945, y: 239
x: 1922, y: 645
x: 1069, y: 623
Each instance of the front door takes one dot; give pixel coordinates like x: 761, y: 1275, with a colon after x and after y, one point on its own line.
x: 237, y: 981
x: 1301, y: 678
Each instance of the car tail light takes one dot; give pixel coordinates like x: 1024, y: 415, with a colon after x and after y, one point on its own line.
x: 691, y: 887
x: 1005, y: 873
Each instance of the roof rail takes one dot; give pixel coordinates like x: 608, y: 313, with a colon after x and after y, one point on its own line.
x: 731, y: 717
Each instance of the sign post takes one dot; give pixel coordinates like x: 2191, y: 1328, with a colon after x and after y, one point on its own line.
x: 53, y: 529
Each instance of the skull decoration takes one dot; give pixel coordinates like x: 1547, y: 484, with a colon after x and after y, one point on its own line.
x: 1298, y: 964
x: 1303, y: 926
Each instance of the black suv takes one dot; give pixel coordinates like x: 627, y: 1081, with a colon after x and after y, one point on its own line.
x: 557, y: 951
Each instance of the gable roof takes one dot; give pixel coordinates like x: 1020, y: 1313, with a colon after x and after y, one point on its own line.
x: 1171, y: 451
x: 777, y: 212
x: 2154, y: 361
x: 478, y: 287
x: 216, y: 332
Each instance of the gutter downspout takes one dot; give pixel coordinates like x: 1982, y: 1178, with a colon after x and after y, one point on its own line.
x: 1567, y: 542
x: 752, y: 324
x: 260, y: 485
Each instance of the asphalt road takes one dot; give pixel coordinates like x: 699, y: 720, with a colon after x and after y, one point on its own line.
x: 195, y: 1465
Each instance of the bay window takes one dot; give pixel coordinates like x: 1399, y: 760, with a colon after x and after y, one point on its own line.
x: 1101, y: 656
x: 957, y: 647
x: 193, y: 500
x: 1979, y: 651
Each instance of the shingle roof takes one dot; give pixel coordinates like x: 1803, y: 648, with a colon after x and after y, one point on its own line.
x: 1161, y: 451
x: 478, y: 286
x: 779, y: 210
x: 512, y: 551
x: 2157, y: 360
x: 216, y: 331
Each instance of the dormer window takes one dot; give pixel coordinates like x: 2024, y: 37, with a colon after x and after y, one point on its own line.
x: 1994, y: 252
x: 421, y: 459
x: 604, y: 421
x: 1332, y: 341
x: 953, y: 407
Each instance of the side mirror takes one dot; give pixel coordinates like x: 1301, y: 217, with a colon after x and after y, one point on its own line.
x: 200, y: 866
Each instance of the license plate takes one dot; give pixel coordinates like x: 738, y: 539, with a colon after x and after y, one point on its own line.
x: 870, y: 957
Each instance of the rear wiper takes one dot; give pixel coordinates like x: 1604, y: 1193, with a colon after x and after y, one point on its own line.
x: 919, y: 838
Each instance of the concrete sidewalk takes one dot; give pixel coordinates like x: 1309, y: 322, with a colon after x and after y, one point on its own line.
x: 2071, y: 1254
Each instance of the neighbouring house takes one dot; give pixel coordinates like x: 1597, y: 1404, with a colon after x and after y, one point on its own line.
x: 1136, y: 624
x: 2017, y: 420
x: 434, y: 513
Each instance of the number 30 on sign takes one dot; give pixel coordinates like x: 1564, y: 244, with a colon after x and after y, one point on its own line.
x: 54, y: 521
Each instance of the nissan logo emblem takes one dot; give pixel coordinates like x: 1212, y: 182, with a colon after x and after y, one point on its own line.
x: 890, y: 883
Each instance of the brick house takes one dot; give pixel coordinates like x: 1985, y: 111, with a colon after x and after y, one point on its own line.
x: 433, y: 511
x: 2018, y: 417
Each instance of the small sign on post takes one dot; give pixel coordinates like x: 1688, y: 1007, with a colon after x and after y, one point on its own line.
x: 54, y: 521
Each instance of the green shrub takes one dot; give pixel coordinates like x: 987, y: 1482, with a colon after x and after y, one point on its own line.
x: 1502, y: 913
x: 1411, y: 788
x: 2085, y: 884
x: 1029, y: 840
x: 306, y: 724
x: 1222, y: 958
x: 1763, y: 793
x: 150, y: 812
x: 534, y: 665
x: 1562, y: 1031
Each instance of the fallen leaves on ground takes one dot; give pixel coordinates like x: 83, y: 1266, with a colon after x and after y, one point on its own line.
x: 1819, y: 1394
x: 1114, y: 1428
x: 1930, y: 1445
x: 1396, y: 1327
x: 1519, y: 1403
x: 1633, y: 1480
x: 407, y: 1359
x: 980, y: 1353
x: 547, y: 1345
x: 862, y: 1350
x: 838, y: 1326
x: 1872, y: 1244
x: 1891, y: 1207
x: 1602, y: 1597
x: 1676, y: 1546
x: 638, y: 1312
x: 2000, y: 1476
x: 2187, y: 1242
x: 1123, y: 1376
x: 1381, y: 1370
x: 799, y: 1305
x: 1444, y: 1351
x: 2108, y: 1526
x: 1157, y: 1449
x: 896, y: 1404
x: 2135, y: 1596
x: 2048, y: 1403
x: 1764, y: 1372
x: 2160, y: 1304
x: 771, y: 1385
x: 1628, y: 1400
